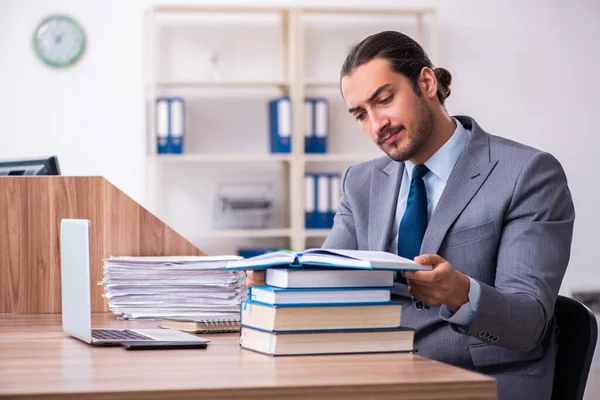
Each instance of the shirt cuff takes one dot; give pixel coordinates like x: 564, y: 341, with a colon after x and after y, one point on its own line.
x: 466, y: 313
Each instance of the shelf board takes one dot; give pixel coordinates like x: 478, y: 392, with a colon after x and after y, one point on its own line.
x: 370, y: 11
x: 325, y: 84
x: 220, y: 84
x: 309, y: 10
x: 159, y: 8
x: 317, y: 233
x: 340, y: 157
x: 261, y: 158
x: 217, y: 158
x: 243, y: 233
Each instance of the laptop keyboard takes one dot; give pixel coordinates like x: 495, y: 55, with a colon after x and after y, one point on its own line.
x: 118, y: 335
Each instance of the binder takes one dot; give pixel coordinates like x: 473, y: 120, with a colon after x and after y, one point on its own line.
x: 323, y: 200
x: 176, y: 125
x: 335, y: 194
x: 162, y: 124
x: 309, y: 126
x: 316, y: 125
x: 310, y: 201
x: 280, y: 125
x: 321, y: 127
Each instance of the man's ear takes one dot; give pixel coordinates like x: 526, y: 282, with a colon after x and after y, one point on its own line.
x: 428, y: 82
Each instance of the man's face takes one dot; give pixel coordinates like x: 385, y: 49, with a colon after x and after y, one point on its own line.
x: 384, y: 103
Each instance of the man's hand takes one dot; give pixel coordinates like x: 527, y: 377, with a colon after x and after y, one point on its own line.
x: 442, y: 285
x: 255, y: 278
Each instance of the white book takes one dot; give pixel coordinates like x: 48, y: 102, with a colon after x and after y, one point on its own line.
x: 328, y: 278
x: 277, y: 296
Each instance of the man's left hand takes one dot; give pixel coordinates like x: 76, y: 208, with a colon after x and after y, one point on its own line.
x: 442, y: 285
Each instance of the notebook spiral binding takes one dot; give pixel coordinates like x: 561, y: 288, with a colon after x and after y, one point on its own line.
x: 219, y: 326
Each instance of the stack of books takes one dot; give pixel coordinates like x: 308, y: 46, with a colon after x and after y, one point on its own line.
x: 324, y: 302
x: 194, y: 289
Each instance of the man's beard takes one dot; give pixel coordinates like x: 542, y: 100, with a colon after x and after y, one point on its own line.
x: 422, y: 129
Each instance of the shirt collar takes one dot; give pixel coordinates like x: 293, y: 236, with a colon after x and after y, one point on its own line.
x: 441, y: 163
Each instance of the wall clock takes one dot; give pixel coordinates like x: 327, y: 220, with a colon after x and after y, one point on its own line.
x: 59, y: 41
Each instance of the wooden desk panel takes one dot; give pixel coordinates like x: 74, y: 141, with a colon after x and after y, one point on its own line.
x: 38, y: 361
x: 31, y: 209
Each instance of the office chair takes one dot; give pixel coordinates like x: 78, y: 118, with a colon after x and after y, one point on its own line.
x: 577, y: 335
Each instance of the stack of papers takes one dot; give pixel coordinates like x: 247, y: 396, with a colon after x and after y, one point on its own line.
x: 173, y: 287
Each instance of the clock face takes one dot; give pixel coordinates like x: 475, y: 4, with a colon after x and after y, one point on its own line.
x: 59, y: 41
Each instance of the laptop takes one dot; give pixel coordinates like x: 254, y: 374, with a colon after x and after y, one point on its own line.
x: 76, y: 299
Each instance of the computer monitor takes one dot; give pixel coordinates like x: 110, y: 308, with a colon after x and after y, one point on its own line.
x: 28, y: 167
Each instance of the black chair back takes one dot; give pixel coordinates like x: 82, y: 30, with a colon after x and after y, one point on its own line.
x: 577, y: 335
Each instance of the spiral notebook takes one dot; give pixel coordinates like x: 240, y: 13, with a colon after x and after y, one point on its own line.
x: 227, y: 325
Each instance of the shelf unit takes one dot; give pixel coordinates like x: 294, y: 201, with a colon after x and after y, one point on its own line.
x: 293, y: 83
x: 243, y: 233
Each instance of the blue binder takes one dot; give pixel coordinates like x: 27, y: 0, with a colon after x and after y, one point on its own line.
x: 176, y: 124
x: 309, y: 125
x: 316, y: 125
x: 280, y: 125
x: 310, y: 201
x: 162, y: 124
x: 322, y: 200
x: 335, y: 194
x: 321, y: 118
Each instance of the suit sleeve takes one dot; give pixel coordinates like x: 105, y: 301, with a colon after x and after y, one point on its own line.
x: 532, y: 258
x: 343, y: 233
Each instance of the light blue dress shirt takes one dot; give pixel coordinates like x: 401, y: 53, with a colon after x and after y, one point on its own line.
x: 440, y: 166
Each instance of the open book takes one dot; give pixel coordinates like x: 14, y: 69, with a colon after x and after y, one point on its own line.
x: 359, y: 259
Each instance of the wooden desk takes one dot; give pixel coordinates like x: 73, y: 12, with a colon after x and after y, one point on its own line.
x: 38, y: 361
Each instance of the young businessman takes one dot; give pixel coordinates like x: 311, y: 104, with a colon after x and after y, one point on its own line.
x: 493, y: 217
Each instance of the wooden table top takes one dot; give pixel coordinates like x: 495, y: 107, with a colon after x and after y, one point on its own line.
x: 37, y: 360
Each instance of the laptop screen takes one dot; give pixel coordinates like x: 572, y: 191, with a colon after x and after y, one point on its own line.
x: 75, y: 278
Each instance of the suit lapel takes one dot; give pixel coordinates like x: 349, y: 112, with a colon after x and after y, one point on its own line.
x: 470, y: 172
x: 385, y: 184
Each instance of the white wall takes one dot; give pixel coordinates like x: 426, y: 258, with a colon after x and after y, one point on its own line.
x: 524, y: 70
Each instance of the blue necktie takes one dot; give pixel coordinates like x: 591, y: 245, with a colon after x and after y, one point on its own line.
x: 414, y: 221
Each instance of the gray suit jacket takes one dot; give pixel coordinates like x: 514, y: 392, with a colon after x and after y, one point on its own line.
x: 505, y: 219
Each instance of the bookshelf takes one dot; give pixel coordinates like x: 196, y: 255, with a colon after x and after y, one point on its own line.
x: 276, y: 52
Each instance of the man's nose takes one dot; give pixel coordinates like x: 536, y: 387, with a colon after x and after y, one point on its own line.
x: 378, y: 124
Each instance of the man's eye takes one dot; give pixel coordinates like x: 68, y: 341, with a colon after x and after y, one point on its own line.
x: 360, y: 117
x: 386, y: 100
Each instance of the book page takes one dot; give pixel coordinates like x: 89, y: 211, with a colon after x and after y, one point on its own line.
x: 376, y: 259
x: 171, y: 259
x: 282, y: 257
x: 333, y: 260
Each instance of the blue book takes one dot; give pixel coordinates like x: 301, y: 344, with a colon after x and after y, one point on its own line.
x: 280, y: 125
x: 335, y: 258
x: 309, y: 296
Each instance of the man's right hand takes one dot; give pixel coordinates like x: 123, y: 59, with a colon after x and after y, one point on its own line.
x: 255, y: 278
